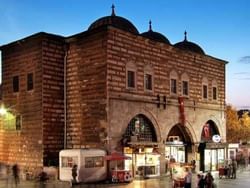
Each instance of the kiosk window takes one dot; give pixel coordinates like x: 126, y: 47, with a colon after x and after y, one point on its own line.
x: 69, y: 161
x: 92, y: 162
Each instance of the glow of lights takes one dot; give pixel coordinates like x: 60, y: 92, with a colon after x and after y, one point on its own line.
x: 3, y: 111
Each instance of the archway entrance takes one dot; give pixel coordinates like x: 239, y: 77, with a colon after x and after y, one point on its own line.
x: 178, y: 144
x: 212, y: 151
x: 140, y: 143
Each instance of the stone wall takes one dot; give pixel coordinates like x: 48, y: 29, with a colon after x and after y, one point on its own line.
x: 19, y: 59
x: 53, y: 53
x: 86, y: 90
x: 124, y: 104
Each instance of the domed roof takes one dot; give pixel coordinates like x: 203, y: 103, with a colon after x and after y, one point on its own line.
x: 189, y: 46
x: 150, y: 34
x: 115, y: 21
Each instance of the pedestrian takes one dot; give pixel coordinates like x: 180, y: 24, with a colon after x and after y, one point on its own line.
x: 15, y: 171
x: 166, y: 166
x: 171, y: 165
x: 188, y: 179
x: 8, y: 175
x: 200, y: 181
x: 43, y: 177
x: 230, y: 171
x: 193, y: 164
x: 209, y: 180
x: 234, y: 168
x: 74, y: 174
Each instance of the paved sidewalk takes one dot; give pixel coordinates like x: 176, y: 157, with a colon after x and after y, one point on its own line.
x: 242, y: 181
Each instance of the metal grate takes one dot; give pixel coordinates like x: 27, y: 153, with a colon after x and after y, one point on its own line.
x: 141, y: 127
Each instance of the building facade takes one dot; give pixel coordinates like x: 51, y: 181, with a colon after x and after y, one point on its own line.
x: 114, y: 88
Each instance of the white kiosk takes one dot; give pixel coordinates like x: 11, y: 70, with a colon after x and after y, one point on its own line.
x: 91, y: 166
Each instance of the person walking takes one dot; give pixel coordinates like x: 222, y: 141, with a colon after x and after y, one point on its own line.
x: 200, y: 181
x: 74, y: 175
x: 209, y: 180
x: 15, y: 171
x: 234, y: 169
x: 43, y: 177
x: 171, y: 165
x: 193, y: 164
x: 8, y: 175
x: 188, y: 179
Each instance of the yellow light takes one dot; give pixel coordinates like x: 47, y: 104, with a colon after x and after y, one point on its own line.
x: 3, y: 110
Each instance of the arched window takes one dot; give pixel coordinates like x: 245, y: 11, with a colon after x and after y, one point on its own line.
x: 142, y: 128
x: 205, y: 88
x: 185, y: 84
x: 131, y: 76
x: 173, y: 83
x: 209, y: 129
x: 214, y: 90
x: 148, y: 78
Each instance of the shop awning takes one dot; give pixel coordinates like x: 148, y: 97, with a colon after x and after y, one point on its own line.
x: 211, y: 145
x: 214, y: 145
x: 116, y: 156
x: 144, y: 144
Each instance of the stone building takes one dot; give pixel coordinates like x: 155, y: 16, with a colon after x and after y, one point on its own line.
x: 114, y: 88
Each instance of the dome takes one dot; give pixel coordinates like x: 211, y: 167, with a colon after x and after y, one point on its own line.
x: 115, y: 21
x: 189, y: 46
x: 150, y: 34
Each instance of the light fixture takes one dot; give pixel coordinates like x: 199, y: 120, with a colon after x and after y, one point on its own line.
x: 3, y: 110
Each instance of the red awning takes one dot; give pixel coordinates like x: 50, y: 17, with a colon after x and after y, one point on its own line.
x: 116, y: 156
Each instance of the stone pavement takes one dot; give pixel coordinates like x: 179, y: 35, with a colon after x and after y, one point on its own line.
x: 242, y: 181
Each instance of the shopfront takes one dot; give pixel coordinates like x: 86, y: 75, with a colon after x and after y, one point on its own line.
x: 178, y: 144
x: 145, y: 162
x: 176, y: 150
x: 212, y: 150
x: 233, y: 148
x: 140, y: 143
x: 213, y: 159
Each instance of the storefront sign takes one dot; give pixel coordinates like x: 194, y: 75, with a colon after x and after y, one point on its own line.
x: 216, y: 138
x: 233, y: 145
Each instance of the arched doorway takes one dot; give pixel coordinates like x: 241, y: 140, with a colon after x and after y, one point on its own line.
x: 212, y: 151
x: 178, y: 144
x: 140, y: 143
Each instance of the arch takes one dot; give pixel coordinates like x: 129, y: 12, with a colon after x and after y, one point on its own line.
x: 182, y: 131
x: 179, y: 143
x: 219, y: 125
x: 185, y: 77
x: 204, y: 81
x: 209, y: 129
x: 131, y: 65
x: 173, y: 74
x: 148, y: 68
x: 150, y: 118
x: 214, y: 83
x: 142, y: 127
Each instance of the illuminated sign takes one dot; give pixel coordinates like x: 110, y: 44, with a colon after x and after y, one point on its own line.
x: 216, y: 138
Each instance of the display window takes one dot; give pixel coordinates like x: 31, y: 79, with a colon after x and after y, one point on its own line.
x: 177, y: 152
x: 145, y: 163
x: 213, y: 159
